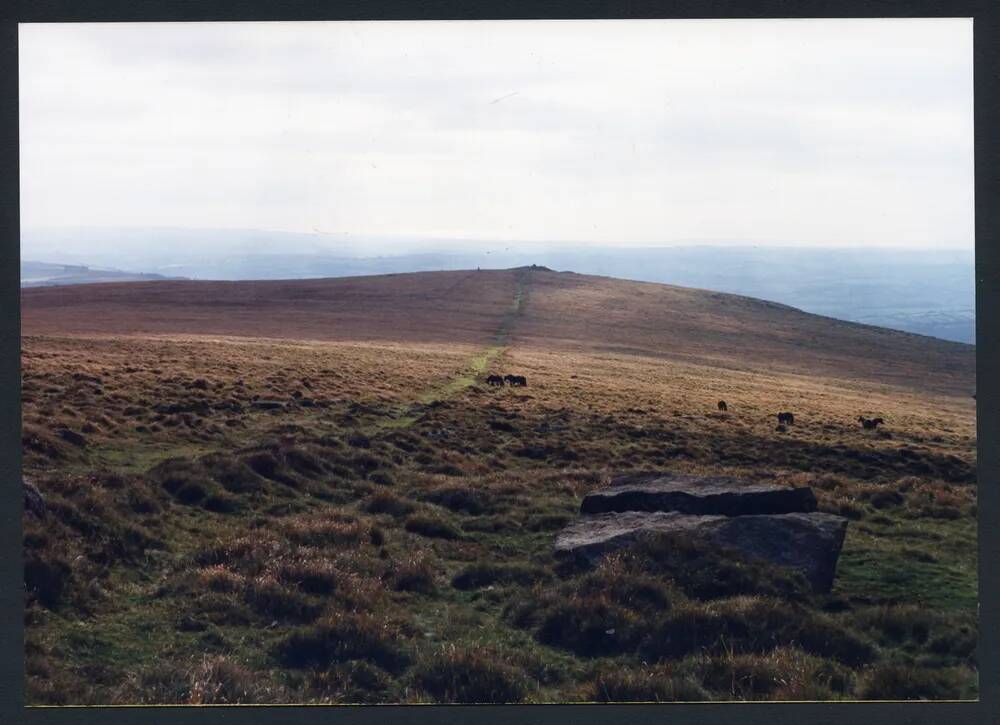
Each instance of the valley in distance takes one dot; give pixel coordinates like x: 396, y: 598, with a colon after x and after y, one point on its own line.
x: 317, y: 491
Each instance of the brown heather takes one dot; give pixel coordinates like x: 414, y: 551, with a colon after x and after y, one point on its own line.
x: 305, y: 492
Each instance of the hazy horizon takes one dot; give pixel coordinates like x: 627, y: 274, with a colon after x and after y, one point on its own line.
x: 52, y: 240
x: 929, y: 291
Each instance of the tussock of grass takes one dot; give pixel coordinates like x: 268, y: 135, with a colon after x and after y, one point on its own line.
x: 270, y: 597
x: 169, y: 682
x: 325, y: 530
x: 311, y: 575
x: 414, y: 573
x: 384, y: 502
x: 208, y: 680
x: 190, y: 483
x: 218, y: 578
x: 752, y: 625
x: 342, y: 637
x: 897, y: 623
x: 354, y: 681
x: 638, y: 591
x: 656, y: 684
x: 432, y: 526
x: 890, y: 681
x: 948, y: 641
x: 461, y: 499
x: 267, y: 465
x: 591, y: 626
x: 469, y: 675
x: 621, y: 606
x: 41, y: 442
x: 781, y: 674
x: 232, y: 474
x: 248, y: 554
x: 220, y: 681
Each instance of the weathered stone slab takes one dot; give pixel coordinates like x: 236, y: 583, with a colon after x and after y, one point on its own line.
x: 703, y: 495
x: 807, y: 542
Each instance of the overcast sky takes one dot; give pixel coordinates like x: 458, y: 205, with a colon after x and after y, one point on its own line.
x: 616, y: 132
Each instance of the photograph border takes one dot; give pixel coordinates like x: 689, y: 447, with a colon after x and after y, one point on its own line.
x: 986, y: 29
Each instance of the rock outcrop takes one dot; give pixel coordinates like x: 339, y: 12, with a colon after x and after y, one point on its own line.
x: 776, y: 524
x: 699, y: 495
x: 807, y: 542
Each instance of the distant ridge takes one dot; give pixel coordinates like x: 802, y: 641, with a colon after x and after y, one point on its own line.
x: 47, y: 274
x: 927, y: 291
x: 554, y: 311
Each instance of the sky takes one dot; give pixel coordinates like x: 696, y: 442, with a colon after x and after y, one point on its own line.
x: 631, y: 133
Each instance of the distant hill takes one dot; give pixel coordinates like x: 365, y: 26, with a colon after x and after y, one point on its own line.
x: 556, y: 311
x: 927, y: 291
x: 45, y: 274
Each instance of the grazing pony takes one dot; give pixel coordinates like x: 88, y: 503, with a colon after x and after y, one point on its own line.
x: 870, y: 423
x: 722, y: 405
x: 494, y: 380
x: 786, y: 419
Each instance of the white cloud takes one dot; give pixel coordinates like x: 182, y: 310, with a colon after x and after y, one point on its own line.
x: 851, y: 132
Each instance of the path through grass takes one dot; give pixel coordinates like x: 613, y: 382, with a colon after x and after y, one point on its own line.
x: 408, y: 413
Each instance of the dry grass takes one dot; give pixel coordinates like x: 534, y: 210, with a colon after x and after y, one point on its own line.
x: 140, y: 391
x: 337, y: 519
x: 623, y: 318
x: 469, y: 675
x: 431, y: 307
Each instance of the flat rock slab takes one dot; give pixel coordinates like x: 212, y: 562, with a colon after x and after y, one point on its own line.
x: 703, y: 495
x: 807, y: 542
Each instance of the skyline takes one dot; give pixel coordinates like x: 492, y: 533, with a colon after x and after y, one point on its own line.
x: 597, y: 133
x: 56, y: 244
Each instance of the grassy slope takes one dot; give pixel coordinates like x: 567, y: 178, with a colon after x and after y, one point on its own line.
x: 394, y: 519
x: 567, y: 311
